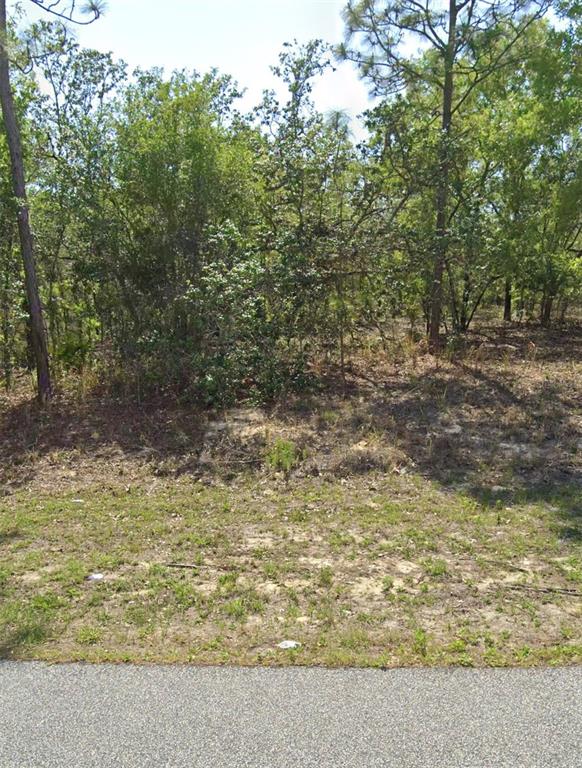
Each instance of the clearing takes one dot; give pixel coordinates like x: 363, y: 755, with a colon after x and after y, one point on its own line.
x: 426, y: 513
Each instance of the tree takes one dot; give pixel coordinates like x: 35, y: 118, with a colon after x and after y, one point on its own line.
x: 461, y: 45
x: 185, y: 247
x: 37, y: 328
x: 533, y: 143
x: 38, y: 334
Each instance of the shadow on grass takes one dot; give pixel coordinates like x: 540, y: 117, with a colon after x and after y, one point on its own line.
x: 15, y: 642
x: 564, y: 501
x: 503, y: 421
x: 9, y: 534
x: 498, y: 430
x: 97, y: 428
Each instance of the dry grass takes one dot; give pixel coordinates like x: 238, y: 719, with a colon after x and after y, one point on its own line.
x: 432, y: 515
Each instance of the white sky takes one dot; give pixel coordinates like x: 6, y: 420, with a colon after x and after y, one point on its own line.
x: 238, y: 37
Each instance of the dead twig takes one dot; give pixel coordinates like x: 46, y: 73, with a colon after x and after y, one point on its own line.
x: 193, y: 567
x: 500, y: 563
x: 548, y: 590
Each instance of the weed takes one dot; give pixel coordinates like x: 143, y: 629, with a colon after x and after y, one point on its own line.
x: 355, y: 639
x: 227, y: 581
x: 567, y: 632
x: 292, y: 595
x: 186, y: 595
x: 299, y: 515
x: 249, y: 601
x: 523, y: 653
x: 292, y: 611
x: 435, y: 567
x: 89, y: 635
x: 325, y: 578
x: 329, y: 417
x: 457, y: 646
x: 271, y: 570
x: 282, y: 456
x: 420, y: 642
x: 138, y: 615
x: 236, y: 608
x: 74, y: 572
x: 325, y: 612
x: 339, y: 540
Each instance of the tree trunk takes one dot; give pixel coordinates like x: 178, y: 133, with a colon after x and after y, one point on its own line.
x: 546, y: 310
x: 507, y: 301
x: 563, y: 310
x: 442, y: 194
x: 464, y: 324
x: 6, y: 334
x: 38, y: 331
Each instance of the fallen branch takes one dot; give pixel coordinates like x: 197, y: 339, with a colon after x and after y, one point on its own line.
x: 507, y: 566
x: 550, y: 590
x: 193, y: 567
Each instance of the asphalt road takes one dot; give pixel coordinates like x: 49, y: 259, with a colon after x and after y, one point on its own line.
x: 108, y: 716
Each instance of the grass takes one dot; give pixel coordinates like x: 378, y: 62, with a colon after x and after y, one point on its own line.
x: 384, y: 593
x: 368, y: 528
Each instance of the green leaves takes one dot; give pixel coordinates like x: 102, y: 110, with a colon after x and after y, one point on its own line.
x: 219, y: 254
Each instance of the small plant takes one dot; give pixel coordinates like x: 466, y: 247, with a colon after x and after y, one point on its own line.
x: 271, y: 570
x: 523, y: 653
x: 138, y: 615
x: 227, y: 581
x: 326, y: 576
x: 282, y: 456
x: 387, y: 585
x: 325, y: 612
x: 329, y: 418
x: 235, y: 609
x: 73, y: 572
x: 89, y: 635
x: 420, y: 642
x: 247, y: 602
x: 355, y: 639
x: 292, y: 596
x: 435, y: 567
x: 299, y: 515
x: 186, y: 595
x: 457, y: 646
x: 455, y: 344
x: 293, y: 611
x: 338, y: 540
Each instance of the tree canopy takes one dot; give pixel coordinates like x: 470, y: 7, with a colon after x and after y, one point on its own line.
x: 184, y: 246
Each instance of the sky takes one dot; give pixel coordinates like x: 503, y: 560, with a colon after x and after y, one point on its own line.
x: 238, y: 37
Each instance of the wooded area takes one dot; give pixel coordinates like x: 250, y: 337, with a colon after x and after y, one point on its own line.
x: 182, y: 246
x: 298, y: 379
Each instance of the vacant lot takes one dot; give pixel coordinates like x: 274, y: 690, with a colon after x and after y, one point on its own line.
x: 426, y: 513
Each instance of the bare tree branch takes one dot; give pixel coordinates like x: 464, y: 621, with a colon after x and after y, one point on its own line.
x: 69, y: 10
